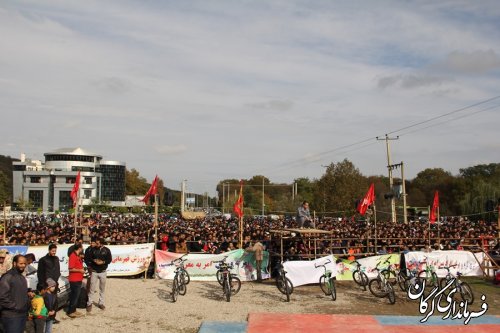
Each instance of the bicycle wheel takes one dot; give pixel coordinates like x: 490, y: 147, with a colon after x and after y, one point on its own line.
x: 235, y: 283
x: 402, y: 277
x: 287, y: 290
x: 181, y: 286
x: 364, y: 279
x: 281, y: 282
x: 391, y: 294
x: 333, y: 289
x: 424, y: 275
x: 466, y: 292
x: 444, y: 281
x: 358, y: 277
x: 219, y: 277
x: 227, y: 290
x: 376, y: 288
x: 175, y: 291
x: 323, y: 283
x: 185, y: 277
x: 390, y: 276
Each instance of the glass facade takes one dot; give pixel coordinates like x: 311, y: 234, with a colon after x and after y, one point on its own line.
x: 78, y: 158
x: 36, y: 198
x: 113, y: 182
x: 65, y: 201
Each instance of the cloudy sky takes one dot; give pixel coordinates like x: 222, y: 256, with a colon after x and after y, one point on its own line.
x: 207, y: 90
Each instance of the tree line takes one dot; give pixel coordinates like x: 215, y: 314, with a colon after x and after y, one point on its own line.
x: 474, y: 191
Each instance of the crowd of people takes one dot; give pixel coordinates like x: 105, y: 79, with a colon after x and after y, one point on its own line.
x: 218, y: 234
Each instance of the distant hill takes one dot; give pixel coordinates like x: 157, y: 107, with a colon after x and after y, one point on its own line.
x: 6, y: 178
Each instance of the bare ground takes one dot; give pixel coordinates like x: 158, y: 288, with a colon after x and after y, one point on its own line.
x: 135, y: 305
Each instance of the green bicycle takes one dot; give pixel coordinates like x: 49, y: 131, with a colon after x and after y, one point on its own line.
x: 327, y: 281
x: 428, y: 274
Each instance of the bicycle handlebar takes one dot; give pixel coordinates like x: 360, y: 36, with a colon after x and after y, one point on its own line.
x: 326, y: 263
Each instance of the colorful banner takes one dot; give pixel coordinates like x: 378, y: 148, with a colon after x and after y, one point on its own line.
x: 201, y: 267
x: 127, y: 259
x: 466, y: 262
x: 346, y: 267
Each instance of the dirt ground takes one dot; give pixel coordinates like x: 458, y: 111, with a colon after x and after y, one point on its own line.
x: 135, y: 305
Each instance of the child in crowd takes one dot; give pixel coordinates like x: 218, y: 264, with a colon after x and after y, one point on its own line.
x: 50, y: 300
x: 38, y: 311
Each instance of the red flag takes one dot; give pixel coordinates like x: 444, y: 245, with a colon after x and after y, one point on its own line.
x: 74, y: 191
x: 153, y: 189
x: 238, y: 206
x: 367, y: 201
x: 435, y: 207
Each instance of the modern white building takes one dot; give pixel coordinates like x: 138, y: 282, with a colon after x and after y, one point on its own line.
x: 48, y: 185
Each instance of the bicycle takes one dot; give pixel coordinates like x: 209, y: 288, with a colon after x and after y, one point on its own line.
x: 380, y: 286
x: 429, y: 275
x: 359, y: 276
x: 179, y: 283
x: 231, y: 284
x: 283, y: 283
x: 462, y: 287
x: 327, y: 281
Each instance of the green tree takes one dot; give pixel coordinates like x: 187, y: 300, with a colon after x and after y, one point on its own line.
x: 135, y: 184
x: 5, y: 192
x: 339, y: 188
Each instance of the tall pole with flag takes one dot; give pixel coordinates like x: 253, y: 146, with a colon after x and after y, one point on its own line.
x: 363, y: 205
x: 238, y: 210
x: 75, y: 196
x: 153, y: 190
x: 434, y: 215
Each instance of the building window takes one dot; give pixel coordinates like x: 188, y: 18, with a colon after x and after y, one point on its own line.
x: 19, y: 167
x: 65, y: 201
x: 88, y: 180
x: 87, y: 194
x: 35, y: 180
x: 36, y: 198
x: 70, y: 180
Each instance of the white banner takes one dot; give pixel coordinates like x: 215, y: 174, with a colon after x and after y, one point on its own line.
x: 466, y: 262
x: 127, y: 259
x: 304, y: 272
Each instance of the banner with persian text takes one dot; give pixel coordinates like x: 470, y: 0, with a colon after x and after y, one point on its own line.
x: 465, y: 262
x: 127, y: 259
x: 201, y: 267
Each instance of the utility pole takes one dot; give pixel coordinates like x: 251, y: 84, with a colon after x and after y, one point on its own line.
x: 183, y: 194
x: 389, y: 167
x: 405, y: 213
x: 263, y: 198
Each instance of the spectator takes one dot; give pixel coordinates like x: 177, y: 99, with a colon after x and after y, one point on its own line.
x: 100, y: 257
x: 14, y: 301
x: 38, y: 311
x: 75, y: 278
x: 50, y: 300
x: 48, y: 267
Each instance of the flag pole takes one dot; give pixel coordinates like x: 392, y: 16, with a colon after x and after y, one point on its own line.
x: 76, y: 209
x: 156, y: 225
x: 429, y: 209
x: 439, y: 229
x: 375, y: 222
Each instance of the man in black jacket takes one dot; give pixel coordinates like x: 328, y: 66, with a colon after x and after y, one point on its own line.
x: 48, y: 267
x: 14, y: 301
x: 99, y: 258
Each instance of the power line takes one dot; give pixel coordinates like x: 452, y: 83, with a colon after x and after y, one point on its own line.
x: 317, y: 157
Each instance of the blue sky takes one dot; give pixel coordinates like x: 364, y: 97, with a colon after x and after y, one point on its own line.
x: 207, y: 90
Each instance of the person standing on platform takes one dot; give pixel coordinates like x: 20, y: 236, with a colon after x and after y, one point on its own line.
x: 303, y: 215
